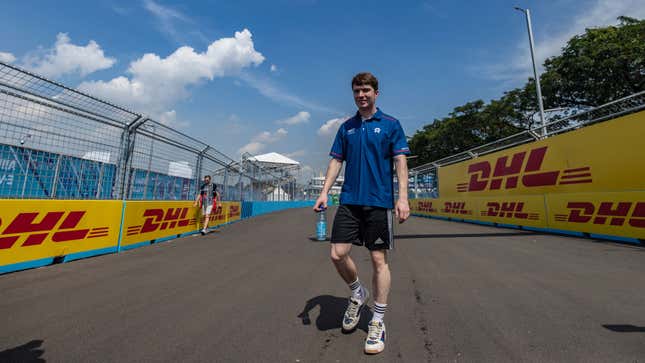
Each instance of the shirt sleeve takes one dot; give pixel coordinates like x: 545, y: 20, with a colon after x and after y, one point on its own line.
x: 399, y: 144
x: 337, y: 149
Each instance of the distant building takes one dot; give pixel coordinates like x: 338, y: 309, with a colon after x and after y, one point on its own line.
x: 315, y: 185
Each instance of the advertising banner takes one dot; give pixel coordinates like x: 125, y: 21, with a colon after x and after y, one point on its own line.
x: 615, y: 214
x: 38, y: 229
x: 521, y: 210
x: 596, y: 158
x: 149, y: 220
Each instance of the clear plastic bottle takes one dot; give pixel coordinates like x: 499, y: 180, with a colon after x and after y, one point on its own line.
x: 321, y: 224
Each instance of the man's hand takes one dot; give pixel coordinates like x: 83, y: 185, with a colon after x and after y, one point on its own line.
x: 321, y: 202
x: 195, y: 204
x: 402, y: 210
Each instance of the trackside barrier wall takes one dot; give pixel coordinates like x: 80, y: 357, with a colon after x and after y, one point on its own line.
x: 41, y: 232
x: 590, y: 181
x: 252, y: 209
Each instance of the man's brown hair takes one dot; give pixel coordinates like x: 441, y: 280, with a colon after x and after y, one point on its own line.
x: 365, y: 78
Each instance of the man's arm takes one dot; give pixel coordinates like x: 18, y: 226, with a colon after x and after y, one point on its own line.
x: 402, y: 208
x: 199, y: 195
x: 333, y: 169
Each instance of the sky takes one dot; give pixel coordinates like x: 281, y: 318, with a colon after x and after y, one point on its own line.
x: 274, y: 76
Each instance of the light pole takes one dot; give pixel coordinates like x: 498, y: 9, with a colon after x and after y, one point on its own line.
x: 527, y: 12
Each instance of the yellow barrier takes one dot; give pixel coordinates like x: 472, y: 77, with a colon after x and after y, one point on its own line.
x: 226, y: 212
x: 615, y: 214
x: 150, y: 220
x: 596, y: 158
x: 38, y: 229
x: 525, y: 210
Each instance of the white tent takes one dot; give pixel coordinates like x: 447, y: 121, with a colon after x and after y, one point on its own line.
x: 273, y: 158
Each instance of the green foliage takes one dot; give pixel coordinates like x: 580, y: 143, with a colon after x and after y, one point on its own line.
x: 599, y: 66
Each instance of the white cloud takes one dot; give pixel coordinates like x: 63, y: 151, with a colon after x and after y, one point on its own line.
x: 166, y: 17
x: 261, y: 140
x: 269, y: 90
x: 297, y: 154
x: 601, y: 13
x: 67, y: 58
x: 169, y: 118
x: 156, y: 83
x: 330, y: 127
x: 274, y: 68
x: 7, y: 57
x: 301, y: 117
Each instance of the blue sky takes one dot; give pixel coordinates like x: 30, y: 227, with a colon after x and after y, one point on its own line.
x: 263, y: 76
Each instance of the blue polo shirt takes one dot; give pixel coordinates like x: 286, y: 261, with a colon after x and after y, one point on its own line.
x: 368, y: 148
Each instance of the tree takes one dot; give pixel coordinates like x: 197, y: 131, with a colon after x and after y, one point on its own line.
x: 599, y: 66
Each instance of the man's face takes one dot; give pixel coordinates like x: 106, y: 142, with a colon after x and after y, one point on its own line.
x: 364, y: 96
x: 207, y: 180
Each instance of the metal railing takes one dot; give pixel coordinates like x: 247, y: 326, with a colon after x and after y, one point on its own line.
x: 424, y: 178
x: 57, y: 142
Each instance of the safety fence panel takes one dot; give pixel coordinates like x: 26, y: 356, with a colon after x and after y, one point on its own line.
x: 148, y: 221
x: 602, y: 157
x: 35, y: 232
x: 610, y: 214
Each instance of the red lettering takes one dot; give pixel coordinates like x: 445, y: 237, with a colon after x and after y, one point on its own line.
x: 578, y: 208
x: 507, y: 209
x: 622, y: 209
x: 24, y: 222
x: 493, y: 209
x: 477, y: 184
x: 501, y: 169
x: 157, y: 215
x: 638, y: 216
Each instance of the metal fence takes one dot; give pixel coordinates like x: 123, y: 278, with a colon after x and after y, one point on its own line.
x: 424, y: 178
x: 57, y: 142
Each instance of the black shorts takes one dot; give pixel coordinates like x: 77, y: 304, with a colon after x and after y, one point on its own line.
x: 363, y: 226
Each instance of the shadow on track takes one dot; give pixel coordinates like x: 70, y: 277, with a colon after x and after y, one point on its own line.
x: 332, y: 309
x: 624, y: 328
x: 29, y: 353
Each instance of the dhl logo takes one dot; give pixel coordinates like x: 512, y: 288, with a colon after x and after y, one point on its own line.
x: 508, y: 210
x: 426, y: 207
x: 160, y: 219
x: 234, y: 211
x: 456, y: 208
x: 614, y: 213
x: 37, y: 230
x: 529, y: 174
x: 219, y: 214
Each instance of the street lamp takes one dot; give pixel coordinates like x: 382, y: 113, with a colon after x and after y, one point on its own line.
x: 527, y: 12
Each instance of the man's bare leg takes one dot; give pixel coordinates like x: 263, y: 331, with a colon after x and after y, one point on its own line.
x: 343, y: 263
x: 381, y: 279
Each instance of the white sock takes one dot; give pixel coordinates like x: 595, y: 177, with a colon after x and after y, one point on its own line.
x: 379, y: 312
x: 356, y: 289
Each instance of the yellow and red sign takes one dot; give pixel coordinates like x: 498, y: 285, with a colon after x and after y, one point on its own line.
x: 37, y: 229
x: 595, y: 158
x: 524, y: 210
x: 150, y: 220
x: 614, y: 213
x: 226, y: 212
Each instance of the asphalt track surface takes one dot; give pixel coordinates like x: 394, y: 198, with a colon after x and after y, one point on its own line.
x: 261, y: 291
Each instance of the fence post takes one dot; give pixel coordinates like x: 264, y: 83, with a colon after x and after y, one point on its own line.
x: 125, y: 159
x: 55, y: 181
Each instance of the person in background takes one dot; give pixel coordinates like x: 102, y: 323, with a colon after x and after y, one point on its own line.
x: 207, y: 200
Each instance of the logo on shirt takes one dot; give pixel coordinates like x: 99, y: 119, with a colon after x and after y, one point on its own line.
x: 351, y: 131
x: 377, y: 130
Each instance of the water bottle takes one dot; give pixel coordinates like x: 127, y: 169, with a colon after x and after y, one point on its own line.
x: 321, y: 224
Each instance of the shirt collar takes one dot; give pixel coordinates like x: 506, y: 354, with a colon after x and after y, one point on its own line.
x: 376, y: 116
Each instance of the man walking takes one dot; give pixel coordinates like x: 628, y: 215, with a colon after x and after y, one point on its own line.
x: 369, y: 143
x: 207, y: 200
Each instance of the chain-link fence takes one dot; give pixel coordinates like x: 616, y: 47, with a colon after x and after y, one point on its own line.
x: 57, y: 142
x: 424, y: 178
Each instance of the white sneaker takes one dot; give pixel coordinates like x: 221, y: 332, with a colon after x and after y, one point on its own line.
x: 204, y: 231
x: 375, y: 341
x: 353, y: 313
